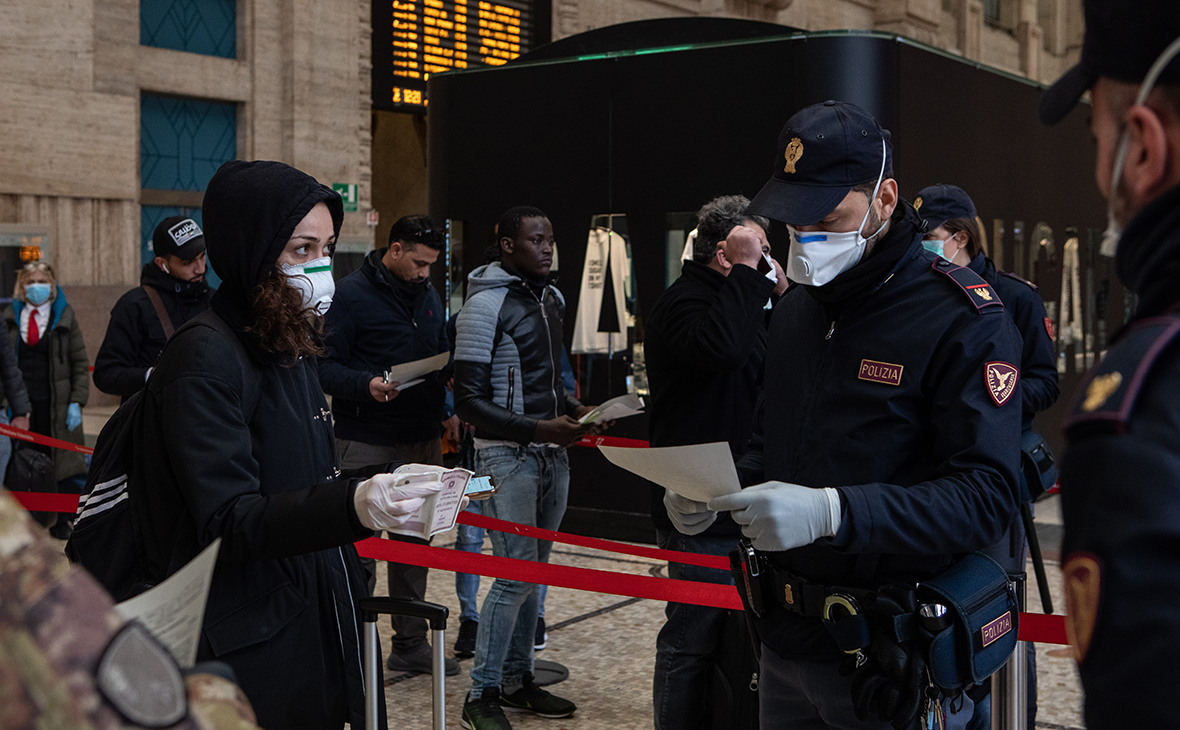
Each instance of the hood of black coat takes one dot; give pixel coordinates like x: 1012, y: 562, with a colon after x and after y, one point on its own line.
x: 249, y: 212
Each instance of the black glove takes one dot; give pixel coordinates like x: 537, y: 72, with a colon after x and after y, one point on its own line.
x: 889, y: 683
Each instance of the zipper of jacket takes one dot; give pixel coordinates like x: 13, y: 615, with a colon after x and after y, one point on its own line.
x: 511, y: 387
x: 552, y: 365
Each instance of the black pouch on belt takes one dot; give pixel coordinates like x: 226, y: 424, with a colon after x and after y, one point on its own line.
x: 984, y: 621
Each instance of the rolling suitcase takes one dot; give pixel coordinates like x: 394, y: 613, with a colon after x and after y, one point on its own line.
x: 436, y: 615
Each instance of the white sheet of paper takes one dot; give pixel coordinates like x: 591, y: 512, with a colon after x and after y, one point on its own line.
x: 174, y: 610
x: 699, y: 472
x: 620, y: 407
x: 408, y: 371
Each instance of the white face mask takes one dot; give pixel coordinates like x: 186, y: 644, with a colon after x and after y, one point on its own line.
x: 1114, y: 229
x: 773, y: 276
x: 816, y: 258
x: 314, y: 281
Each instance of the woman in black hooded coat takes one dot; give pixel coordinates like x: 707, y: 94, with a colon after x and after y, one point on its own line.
x: 236, y: 442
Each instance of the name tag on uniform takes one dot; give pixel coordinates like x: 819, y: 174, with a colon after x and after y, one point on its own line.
x: 997, y: 628
x: 880, y: 372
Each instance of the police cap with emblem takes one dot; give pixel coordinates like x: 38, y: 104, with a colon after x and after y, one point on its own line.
x: 1123, y: 39
x: 823, y: 152
x: 938, y: 204
x: 178, y: 236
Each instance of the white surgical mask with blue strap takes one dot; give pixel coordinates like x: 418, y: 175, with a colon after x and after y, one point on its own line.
x: 314, y: 282
x: 818, y: 257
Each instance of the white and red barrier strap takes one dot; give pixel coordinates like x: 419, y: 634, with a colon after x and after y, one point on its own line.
x: 20, y: 433
x: 1033, y: 626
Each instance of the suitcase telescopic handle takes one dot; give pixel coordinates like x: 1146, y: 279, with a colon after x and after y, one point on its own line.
x: 432, y: 612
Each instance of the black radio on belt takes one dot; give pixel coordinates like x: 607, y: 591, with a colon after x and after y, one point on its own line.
x: 745, y: 562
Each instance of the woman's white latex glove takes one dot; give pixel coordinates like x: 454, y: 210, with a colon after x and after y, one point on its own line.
x: 388, y: 501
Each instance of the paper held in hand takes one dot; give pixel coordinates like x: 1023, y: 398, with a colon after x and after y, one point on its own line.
x: 621, y: 407
x: 699, y: 472
x: 440, y: 510
x: 410, y: 373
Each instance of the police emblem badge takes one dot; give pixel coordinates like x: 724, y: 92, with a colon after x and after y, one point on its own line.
x: 1049, y: 329
x: 1001, y: 379
x: 1083, y: 589
x: 981, y: 291
x: 917, y: 204
x: 1100, y: 390
x: 792, y: 154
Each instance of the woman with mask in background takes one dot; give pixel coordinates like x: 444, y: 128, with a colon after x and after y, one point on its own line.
x: 952, y: 231
x: 52, y: 357
x: 235, y: 438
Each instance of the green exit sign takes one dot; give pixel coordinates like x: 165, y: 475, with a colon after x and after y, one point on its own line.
x: 348, y: 192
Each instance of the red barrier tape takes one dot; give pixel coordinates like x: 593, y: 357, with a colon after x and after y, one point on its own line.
x: 23, y: 435
x: 1034, y: 627
x: 596, y: 441
x: 582, y: 579
x: 673, y: 556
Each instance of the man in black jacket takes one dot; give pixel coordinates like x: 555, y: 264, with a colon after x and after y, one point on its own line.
x: 1121, y: 466
x: 140, y: 323
x: 383, y: 314
x: 704, y: 343
x: 888, y: 438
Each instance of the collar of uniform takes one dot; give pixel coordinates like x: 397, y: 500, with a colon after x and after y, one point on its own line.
x: 1148, y: 258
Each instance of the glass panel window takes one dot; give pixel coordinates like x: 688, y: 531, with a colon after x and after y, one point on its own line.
x: 207, y: 27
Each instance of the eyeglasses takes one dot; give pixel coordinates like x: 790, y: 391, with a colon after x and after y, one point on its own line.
x: 36, y: 266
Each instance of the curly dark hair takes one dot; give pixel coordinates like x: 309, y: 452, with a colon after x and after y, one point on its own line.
x: 280, y: 321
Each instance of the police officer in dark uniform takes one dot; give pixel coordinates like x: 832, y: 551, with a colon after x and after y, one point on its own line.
x: 888, y: 437
x: 1120, y: 473
x: 952, y: 232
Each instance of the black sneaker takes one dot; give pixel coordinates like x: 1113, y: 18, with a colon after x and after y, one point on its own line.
x: 465, y: 643
x: 541, y: 636
x: 531, y: 698
x: 418, y: 661
x: 484, y: 713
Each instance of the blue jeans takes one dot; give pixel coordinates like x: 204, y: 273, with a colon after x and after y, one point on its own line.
x: 690, y: 639
x: 534, y: 483
x: 470, y: 540
x: 5, y: 446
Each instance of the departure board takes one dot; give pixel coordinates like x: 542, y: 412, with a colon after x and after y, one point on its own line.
x: 413, y: 39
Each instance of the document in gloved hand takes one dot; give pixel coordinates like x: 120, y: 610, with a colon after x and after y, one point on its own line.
x: 440, y: 510
x: 620, y: 407
x: 699, y: 472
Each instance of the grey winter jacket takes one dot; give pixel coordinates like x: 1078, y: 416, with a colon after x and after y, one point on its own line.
x: 508, y: 356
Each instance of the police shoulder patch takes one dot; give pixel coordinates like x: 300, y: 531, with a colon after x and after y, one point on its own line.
x: 1107, y: 394
x: 1083, y: 589
x: 1001, y: 379
x: 1021, y: 279
x: 981, y: 294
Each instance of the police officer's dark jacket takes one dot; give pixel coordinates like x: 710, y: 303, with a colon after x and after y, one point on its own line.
x: 703, y: 345
x: 282, y: 604
x: 375, y: 323
x: 1038, y: 357
x: 135, y: 336
x: 508, y: 356
x: 1120, y: 489
x: 883, y: 393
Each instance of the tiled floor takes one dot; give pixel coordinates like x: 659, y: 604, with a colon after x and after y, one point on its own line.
x: 608, y: 644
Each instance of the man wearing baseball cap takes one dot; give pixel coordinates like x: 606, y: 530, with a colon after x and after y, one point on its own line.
x: 1121, y: 467
x: 172, y: 291
x: 889, y: 435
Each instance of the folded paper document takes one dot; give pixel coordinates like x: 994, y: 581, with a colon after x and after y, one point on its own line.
x: 699, y: 472
x: 621, y: 407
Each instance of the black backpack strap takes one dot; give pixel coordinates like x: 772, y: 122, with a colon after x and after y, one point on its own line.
x: 251, y: 373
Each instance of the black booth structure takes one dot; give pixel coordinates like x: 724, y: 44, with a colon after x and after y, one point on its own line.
x: 647, y: 121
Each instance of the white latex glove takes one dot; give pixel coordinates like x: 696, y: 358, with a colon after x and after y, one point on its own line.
x: 780, y: 516
x: 689, y: 516
x: 388, y: 501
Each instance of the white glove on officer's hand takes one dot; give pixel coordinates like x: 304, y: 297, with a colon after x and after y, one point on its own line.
x: 388, y: 501
x: 781, y: 516
x: 689, y: 516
